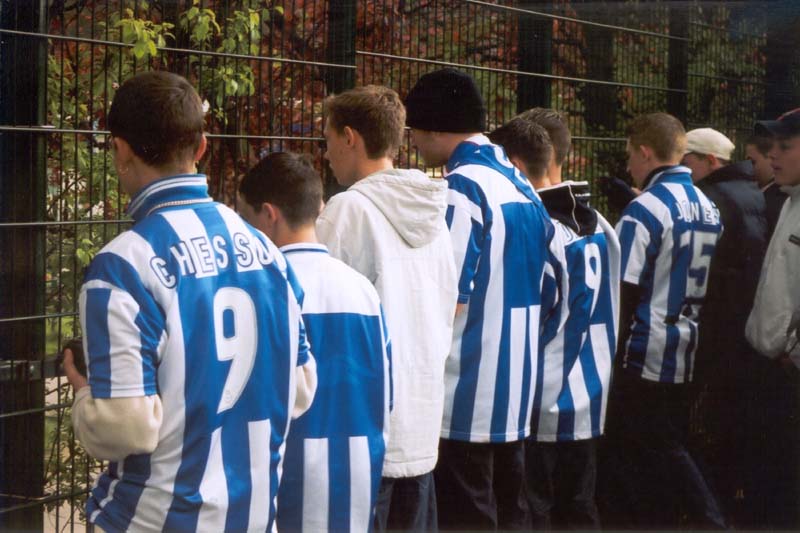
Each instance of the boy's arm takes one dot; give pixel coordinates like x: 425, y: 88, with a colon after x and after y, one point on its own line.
x: 774, y: 320
x: 306, y: 375
x: 306, y: 369
x: 639, y: 235
x: 387, y: 361
x: 465, y: 219
x: 630, y: 296
x: 116, y: 411
x: 114, y: 428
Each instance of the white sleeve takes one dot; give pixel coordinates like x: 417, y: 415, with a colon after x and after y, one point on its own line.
x: 114, y: 428
x: 347, y: 230
x: 772, y: 324
x: 332, y: 227
x: 306, y: 376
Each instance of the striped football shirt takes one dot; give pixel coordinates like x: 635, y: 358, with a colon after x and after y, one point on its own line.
x: 334, y: 451
x: 580, y: 337
x: 196, y: 306
x: 668, y: 235
x: 500, y: 233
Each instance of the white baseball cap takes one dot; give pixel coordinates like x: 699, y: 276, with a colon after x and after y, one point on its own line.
x: 709, y: 141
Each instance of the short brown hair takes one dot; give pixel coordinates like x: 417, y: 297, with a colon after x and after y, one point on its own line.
x: 160, y: 115
x: 661, y: 132
x: 556, y: 126
x: 288, y: 181
x: 528, y: 141
x: 762, y: 143
x: 375, y: 112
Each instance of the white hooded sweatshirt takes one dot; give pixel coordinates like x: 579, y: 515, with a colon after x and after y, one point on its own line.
x: 390, y: 226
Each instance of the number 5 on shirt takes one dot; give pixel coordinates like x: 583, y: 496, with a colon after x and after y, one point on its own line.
x: 702, y: 250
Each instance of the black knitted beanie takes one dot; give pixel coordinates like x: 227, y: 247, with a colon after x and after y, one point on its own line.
x: 446, y: 100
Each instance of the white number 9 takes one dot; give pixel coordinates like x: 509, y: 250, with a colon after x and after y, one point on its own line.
x: 240, y: 346
x: 593, y: 272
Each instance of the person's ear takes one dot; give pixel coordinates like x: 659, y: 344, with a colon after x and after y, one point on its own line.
x: 349, y: 136
x: 201, y: 148
x: 124, y: 152
x: 646, y: 151
x: 712, y: 160
x: 271, y: 212
x: 517, y: 162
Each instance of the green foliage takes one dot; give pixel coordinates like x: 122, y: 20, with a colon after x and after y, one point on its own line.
x: 145, y: 35
x: 201, y: 24
x: 726, y: 67
x: 223, y: 79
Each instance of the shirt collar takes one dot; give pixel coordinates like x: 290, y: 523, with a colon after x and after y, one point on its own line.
x: 665, y: 172
x: 464, y: 148
x: 297, y: 247
x: 791, y: 190
x: 182, y: 189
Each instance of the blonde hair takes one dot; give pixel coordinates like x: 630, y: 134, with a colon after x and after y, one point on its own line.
x: 661, y: 132
x: 375, y: 112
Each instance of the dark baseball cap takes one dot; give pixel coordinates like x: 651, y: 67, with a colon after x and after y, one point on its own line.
x: 787, y: 125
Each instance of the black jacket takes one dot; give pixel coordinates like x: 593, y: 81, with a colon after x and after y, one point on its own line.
x: 736, y: 265
x: 568, y: 203
x: 774, y: 197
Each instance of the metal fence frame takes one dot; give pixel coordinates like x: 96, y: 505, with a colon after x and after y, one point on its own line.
x: 568, y: 56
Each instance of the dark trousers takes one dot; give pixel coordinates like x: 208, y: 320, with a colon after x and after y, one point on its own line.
x: 772, y: 453
x: 648, y: 478
x: 561, y: 484
x: 406, y: 504
x: 481, y: 486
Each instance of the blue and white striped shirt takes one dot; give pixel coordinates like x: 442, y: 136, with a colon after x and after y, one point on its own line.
x: 580, y: 337
x: 334, y: 452
x: 195, y: 305
x: 668, y: 235
x: 500, y: 232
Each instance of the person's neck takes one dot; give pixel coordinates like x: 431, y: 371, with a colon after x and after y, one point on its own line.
x: 144, y: 174
x: 541, y: 182
x: 764, y: 183
x: 710, y: 172
x: 450, y: 141
x: 655, y: 168
x: 365, y: 167
x: 554, y: 174
x: 286, y: 235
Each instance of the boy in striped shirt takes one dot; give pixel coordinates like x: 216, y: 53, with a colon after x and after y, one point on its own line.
x: 334, y: 452
x: 668, y: 235
x: 500, y: 233
x: 196, y: 349
x: 574, y: 368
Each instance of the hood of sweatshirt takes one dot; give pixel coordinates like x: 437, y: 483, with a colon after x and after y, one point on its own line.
x: 568, y: 202
x: 413, y: 203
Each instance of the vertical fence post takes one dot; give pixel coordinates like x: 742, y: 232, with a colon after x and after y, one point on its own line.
x: 535, y: 55
x: 341, y: 45
x: 678, y: 65
x: 783, y: 66
x: 600, y: 107
x: 341, y: 50
x: 23, y: 61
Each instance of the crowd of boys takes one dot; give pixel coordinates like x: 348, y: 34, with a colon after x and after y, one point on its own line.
x: 470, y: 335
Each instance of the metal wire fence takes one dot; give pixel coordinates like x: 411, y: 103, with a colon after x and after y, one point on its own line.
x: 264, y: 68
